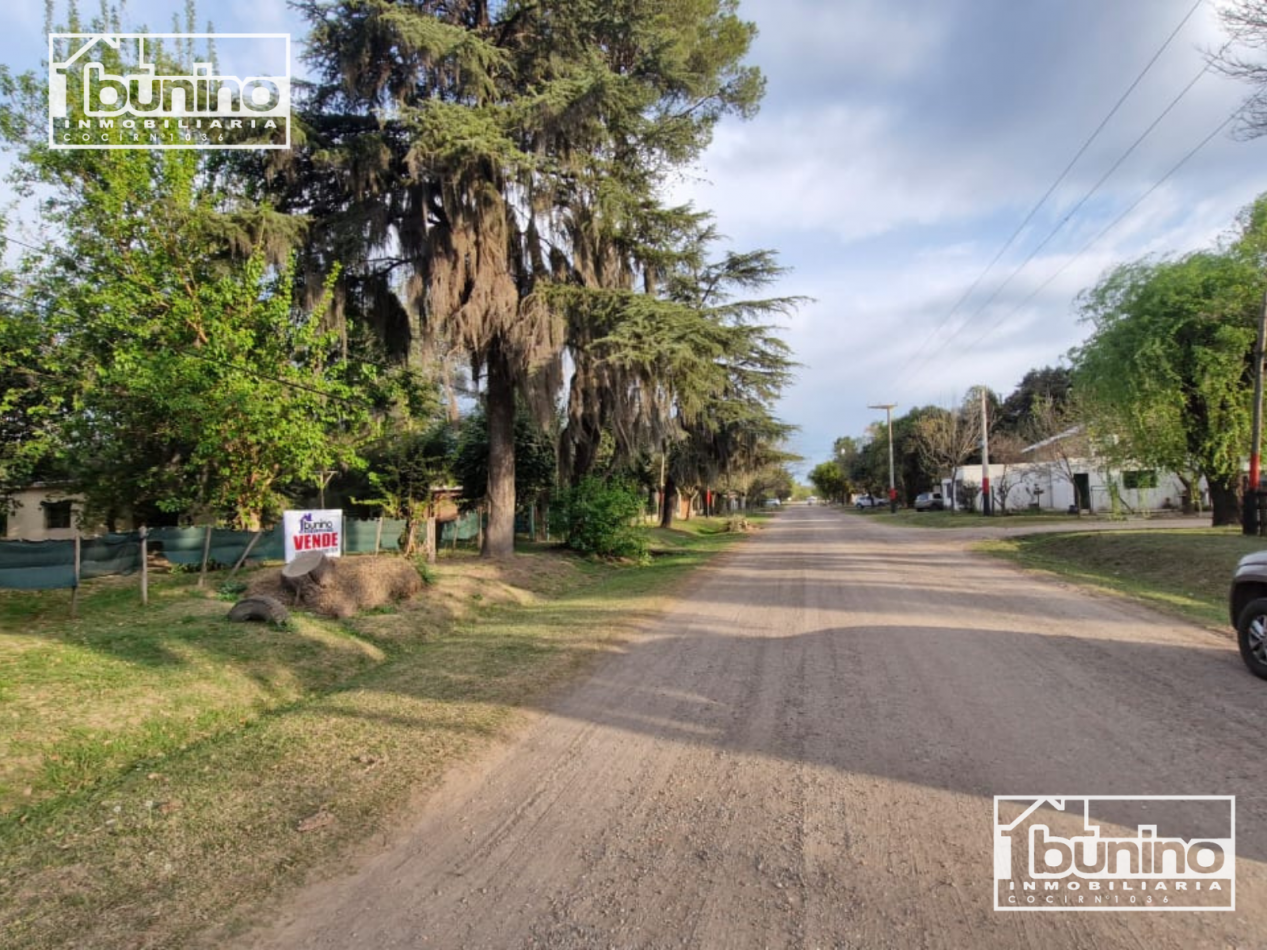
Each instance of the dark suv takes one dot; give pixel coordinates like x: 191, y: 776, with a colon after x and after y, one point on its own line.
x: 1247, y: 605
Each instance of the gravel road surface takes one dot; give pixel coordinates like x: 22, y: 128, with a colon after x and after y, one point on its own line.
x: 803, y: 753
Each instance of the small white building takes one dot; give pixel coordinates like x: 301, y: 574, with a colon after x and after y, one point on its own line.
x: 1059, y: 486
x: 42, y: 513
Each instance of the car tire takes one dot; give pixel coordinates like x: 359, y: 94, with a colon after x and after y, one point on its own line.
x: 1251, y: 636
x: 265, y: 609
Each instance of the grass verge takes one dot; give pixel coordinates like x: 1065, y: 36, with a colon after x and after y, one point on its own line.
x: 957, y: 519
x: 1185, y: 572
x: 218, y: 764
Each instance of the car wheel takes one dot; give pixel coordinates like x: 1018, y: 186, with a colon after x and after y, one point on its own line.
x: 1251, y: 636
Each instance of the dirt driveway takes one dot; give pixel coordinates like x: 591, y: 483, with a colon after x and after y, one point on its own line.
x: 804, y: 753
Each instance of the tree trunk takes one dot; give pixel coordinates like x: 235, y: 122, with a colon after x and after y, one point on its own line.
x: 306, y: 572
x: 499, y: 539
x: 1225, y: 502
x: 667, y: 502
x: 1189, y: 493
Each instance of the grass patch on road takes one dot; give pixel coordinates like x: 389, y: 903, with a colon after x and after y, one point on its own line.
x: 1186, y: 572
x: 957, y: 519
x: 168, y: 770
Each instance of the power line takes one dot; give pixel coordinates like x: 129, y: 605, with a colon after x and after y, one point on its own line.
x: 1048, y: 193
x: 1067, y: 217
x: 1187, y: 157
x: 1113, y: 224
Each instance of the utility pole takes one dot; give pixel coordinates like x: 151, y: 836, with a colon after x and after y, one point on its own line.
x: 1250, y: 515
x: 985, y: 456
x: 888, y: 412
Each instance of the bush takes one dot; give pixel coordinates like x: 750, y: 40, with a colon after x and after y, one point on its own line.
x: 966, y: 495
x: 601, y: 518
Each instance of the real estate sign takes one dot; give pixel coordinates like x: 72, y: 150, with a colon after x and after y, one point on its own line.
x: 313, y: 531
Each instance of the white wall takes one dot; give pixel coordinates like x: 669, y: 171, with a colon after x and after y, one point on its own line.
x: 27, y: 522
x: 1046, y: 484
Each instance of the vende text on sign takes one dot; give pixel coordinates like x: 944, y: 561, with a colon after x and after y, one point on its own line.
x: 313, y: 531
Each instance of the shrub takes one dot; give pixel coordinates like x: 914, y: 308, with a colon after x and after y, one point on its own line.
x: 966, y: 494
x: 601, y: 518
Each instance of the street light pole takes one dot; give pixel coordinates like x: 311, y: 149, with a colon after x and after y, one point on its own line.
x: 888, y: 412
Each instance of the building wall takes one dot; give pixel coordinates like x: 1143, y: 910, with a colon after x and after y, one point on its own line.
x: 28, y: 522
x: 1045, y: 484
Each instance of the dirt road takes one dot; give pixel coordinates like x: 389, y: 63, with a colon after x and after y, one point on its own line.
x: 804, y: 753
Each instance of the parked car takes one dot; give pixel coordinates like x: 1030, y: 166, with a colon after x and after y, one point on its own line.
x: 868, y: 501
x: 1247, y: 605
x: 811, y: 499
x: 930, y: 501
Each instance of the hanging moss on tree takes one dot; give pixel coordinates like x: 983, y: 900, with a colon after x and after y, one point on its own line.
x: 481, y: 156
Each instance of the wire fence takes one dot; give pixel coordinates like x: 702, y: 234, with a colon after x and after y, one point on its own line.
x: 66, y: 564
x: 52, y: 565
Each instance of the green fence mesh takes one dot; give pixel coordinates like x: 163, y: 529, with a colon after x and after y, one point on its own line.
x: 45, y: 565
x: 466, y: 527
x: 358, y: 536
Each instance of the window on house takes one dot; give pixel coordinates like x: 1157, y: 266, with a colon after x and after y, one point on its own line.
x: 1145, y: 479
x: 57, y: 514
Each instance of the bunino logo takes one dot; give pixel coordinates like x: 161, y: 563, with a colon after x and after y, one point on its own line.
x: 1114, y: 852
x: 165, y: 90
x: 310, y: 525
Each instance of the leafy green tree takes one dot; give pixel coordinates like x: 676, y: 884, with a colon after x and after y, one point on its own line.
x: 535, y: 465
x: 402, y: 470
x: 828, y: 481
x: 1048, y: 383
x: 1168, y: 366
x: 29, y: 394
x: 178, y: 375
x: 493, y: 153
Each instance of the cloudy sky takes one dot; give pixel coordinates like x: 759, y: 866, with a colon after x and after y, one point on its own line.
x: 900, y: 144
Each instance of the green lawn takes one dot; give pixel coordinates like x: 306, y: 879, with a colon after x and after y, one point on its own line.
x: 166, y: 770
x: 958, y: 519
x: 1184, y: 571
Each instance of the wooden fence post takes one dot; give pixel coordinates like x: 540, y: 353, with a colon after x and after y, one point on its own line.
x: 246, y: 553
x: 206, y: 553
x: 378, y: 534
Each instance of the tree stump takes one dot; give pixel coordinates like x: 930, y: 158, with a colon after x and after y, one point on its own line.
x: 306, y: 572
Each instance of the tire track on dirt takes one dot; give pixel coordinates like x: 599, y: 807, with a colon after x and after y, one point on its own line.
x: 802, y: 753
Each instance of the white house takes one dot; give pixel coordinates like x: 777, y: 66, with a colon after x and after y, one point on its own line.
x: 42, y: 513
x: 1062, y: 474
x: 1047, y: 486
